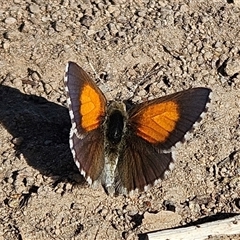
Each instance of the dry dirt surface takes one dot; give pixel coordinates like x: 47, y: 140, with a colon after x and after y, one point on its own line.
x: 195, y: 43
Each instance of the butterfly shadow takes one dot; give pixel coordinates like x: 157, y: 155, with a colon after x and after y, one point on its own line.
x: 40, y: 131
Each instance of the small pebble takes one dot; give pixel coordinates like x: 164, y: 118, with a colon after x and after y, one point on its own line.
x: 6, y: 45
x: 86, y: 20
x: 10, y: 20
x: 113, y: 29
x: 35, y: 76
x: 112, y: 8
x: 34, y: 8
x: 17, y: 141
x: 141, y: 13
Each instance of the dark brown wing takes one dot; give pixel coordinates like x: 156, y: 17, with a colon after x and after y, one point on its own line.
x: 140, y: 164
x: 88, y: 154
x: 87, y: 106
x: 165, y: 121
x: 154, y: 127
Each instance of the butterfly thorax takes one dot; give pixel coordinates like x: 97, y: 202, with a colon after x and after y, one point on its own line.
x: 115, y: 122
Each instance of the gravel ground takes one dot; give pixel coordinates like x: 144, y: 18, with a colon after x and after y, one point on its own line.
x: 195, y: 43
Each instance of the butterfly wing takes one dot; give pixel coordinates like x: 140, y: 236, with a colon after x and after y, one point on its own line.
x: 154, y: 128
x: 141, y: 164
x: 165, y: 121
x: 87, y: 106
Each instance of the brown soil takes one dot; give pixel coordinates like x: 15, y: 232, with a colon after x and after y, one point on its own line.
x: 196, y: 43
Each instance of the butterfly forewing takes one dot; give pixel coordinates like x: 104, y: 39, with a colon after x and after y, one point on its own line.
x: 86, y: 102
x: 165, y: 121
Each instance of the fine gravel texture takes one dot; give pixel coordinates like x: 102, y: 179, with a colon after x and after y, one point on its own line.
x: 194, y: 43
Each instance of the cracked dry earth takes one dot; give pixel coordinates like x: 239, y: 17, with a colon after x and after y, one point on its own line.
x: 195, y: 43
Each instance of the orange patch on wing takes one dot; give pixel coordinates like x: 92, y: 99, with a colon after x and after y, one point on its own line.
x: 91, y: 108
x: 156, y: 122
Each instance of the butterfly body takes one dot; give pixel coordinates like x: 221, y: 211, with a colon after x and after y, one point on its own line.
x: 127, y: 149
x: 114, y: 129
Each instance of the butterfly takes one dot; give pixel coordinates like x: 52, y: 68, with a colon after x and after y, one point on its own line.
x: 127, y: 149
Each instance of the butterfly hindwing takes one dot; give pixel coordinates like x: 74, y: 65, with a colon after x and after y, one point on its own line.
x: 141, y: 164
x: 88, y: 154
